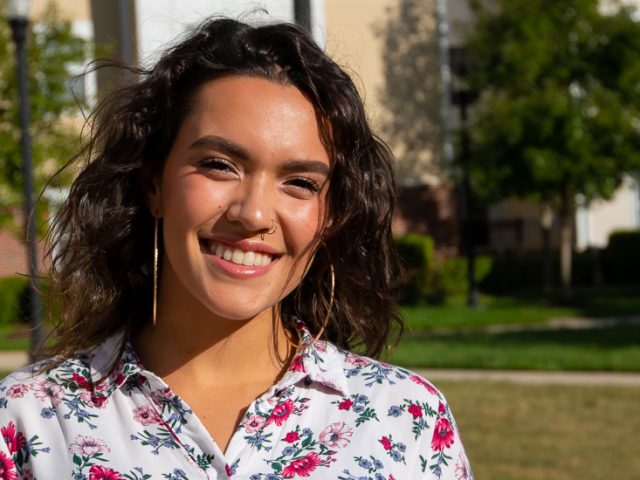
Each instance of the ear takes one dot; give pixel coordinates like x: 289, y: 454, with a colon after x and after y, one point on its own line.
x: 153, y: 195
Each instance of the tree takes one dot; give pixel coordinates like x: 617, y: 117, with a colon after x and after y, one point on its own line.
x: 52, y: 49
x: 558, y: 118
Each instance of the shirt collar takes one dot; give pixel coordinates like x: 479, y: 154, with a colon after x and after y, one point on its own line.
x: 320, y: 362
x: 101, y: 359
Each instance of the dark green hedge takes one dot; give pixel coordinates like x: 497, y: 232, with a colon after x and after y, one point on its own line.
x: 621, y: 258
x: 416, y: 255
x: 449, y: 277
x: 13, y: 296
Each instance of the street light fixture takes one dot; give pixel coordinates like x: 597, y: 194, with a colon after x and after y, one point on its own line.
x: 463, y: 96
x: 17, y: 11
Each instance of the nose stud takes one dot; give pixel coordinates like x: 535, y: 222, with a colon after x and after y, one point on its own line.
x: 272, y: 230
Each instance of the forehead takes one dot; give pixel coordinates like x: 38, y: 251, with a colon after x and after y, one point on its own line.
x: 254, y: 110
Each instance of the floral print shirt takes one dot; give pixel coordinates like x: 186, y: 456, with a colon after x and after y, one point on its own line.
x: 333, y: 415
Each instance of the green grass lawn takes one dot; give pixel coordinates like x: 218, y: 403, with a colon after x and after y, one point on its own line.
x: 453, y: 336
x: 524, y: 309
x: 616, y: 348
x: 533, y: 432
x: 492, y: 312
x: 14, y: 337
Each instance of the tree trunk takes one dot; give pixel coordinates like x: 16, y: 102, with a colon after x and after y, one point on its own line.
x: 566, y: 245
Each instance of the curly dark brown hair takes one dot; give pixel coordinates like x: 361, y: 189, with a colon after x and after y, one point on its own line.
x: 102, y: 241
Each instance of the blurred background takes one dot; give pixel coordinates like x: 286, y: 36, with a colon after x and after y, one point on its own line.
x: 516, y: 127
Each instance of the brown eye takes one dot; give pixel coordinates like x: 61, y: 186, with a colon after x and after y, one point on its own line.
x: 305, y: 183
x: 215, y: 163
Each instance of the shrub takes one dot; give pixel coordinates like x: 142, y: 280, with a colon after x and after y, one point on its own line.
x: 621, y: 259
x: 416, y: 255
x: 12, y: 299
x: 512, y: 273
x: 449, y: 277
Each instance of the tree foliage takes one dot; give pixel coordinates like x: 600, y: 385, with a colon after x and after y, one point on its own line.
x: 559, y: 110
x: 51, y: 49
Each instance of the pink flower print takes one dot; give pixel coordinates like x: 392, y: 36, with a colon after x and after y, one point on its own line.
x: 253, y: 423
x: 227, y: 470
x: 7, y: 468
x: 302, y: 467
x: 345, y: 405
x: 90, y: 399
x: 463, y: 470
x: 48, y: 390
x: 442, y: 435
x: 421, y: 381
x: 357, y: 360
x: 87, y: 446
x: 100, y: 402
x: 386, y: 443
x: 281, y: 412
x: 336, y: 435
x: 159, y: 397
x: 415, y: 410
x: 297, y: 365
x: 441, y: 409
x: 98, y: 472
x: 291, y: 437
x: 15, y: 441
x: 17, y: 390
x: 146, y: 415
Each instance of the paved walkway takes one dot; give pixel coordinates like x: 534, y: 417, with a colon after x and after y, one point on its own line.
x: 535, y: 377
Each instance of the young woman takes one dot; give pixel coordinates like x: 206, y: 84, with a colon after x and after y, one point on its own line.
x: 225, y: 244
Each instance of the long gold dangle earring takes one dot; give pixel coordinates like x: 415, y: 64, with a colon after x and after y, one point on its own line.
x: 325, y: 320
x: 155, y: 270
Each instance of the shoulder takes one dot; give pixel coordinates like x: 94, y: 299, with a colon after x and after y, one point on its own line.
x: 406, y: 415
x: 367, y: 373
x: 40, y: 384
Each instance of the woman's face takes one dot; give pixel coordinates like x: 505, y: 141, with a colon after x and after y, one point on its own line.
x: 247, y: 162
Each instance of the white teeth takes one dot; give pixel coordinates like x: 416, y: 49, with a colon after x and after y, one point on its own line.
x: 249, y: 257
x: 238, y: 256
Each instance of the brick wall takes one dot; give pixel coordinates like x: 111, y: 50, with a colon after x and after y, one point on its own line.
x: 13, y: 255
x: 430, y: 210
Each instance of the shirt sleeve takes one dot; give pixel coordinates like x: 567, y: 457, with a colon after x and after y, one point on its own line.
x: 444, y: 457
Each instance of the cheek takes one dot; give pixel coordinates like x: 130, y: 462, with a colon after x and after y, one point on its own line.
x: 192, y: 201
x: 305, y: 224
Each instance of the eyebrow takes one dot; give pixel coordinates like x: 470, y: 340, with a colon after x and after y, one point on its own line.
x: 232, y: 148
x: 227, y: 146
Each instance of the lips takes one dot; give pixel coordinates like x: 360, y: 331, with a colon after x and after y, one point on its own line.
x: 238, y: 256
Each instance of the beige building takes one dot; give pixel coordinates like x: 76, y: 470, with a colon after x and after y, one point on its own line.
x: 355, y: 33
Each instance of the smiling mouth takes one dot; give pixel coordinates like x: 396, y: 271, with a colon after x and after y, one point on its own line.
x: 235, y: 255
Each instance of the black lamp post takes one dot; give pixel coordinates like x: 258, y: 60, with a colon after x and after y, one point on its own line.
x: 17, y: 13
x: 302, y: 14
x: 463, y: 96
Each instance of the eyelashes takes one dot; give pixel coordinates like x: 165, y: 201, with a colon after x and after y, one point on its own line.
x: 306, y: 183
x: 217, y: 164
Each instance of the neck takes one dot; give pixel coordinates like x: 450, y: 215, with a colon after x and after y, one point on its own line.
x: 210, y: 350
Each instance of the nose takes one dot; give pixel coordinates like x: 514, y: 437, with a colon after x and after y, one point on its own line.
x: 252, y: 206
